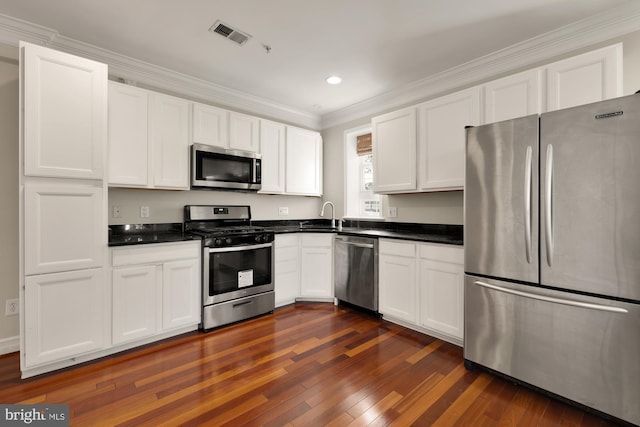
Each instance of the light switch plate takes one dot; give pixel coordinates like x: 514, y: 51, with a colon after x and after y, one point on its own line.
x: 144, y: 211
x: 283, y: 211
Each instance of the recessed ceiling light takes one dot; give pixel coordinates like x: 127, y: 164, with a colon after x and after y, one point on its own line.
x: 334, y: 80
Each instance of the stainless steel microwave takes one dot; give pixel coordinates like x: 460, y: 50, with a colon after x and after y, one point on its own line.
x: 214, y: 167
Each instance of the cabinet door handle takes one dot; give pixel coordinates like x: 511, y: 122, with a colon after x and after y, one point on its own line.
x: 359, y: 245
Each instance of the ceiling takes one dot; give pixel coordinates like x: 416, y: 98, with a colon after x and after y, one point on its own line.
x: 376, y: 46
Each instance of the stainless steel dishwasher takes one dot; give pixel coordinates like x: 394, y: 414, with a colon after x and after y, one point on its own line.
x: 356, y: 271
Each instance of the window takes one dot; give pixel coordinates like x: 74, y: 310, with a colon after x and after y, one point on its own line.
x: 360, y: 200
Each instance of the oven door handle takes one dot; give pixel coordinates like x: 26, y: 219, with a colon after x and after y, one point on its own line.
x: 238, y: 248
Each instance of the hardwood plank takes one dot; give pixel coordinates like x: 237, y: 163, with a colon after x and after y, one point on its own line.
x: 310, y: 364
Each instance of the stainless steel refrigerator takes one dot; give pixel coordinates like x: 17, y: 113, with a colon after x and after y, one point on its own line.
x: 552, y: 253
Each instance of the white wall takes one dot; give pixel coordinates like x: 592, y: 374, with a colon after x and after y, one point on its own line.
x: 9, y: 282
x: 446, y: 207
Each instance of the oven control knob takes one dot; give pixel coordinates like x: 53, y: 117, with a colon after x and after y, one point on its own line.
x: 228, y: 240
x: 257, y: 238
x: 265, y: 238
x: 217, y: 242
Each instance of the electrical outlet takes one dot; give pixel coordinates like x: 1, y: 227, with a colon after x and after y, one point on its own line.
x: 144, y: 211
x: 116, y: 212
x: 283, y: 211
x: 393, y: 212
x: 12, y: 307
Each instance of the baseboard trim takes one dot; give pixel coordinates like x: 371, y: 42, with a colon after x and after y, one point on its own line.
x: 9, y: 345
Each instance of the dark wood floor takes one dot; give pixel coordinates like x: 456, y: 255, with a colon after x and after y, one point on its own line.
x: 305, y: 365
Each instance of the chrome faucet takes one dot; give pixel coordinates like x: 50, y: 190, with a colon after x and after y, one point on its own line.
x: 333, y: 213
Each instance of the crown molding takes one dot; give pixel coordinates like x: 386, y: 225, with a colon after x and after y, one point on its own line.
x: 587, y: 32
x: 13, y: 30
x: 606, y: 26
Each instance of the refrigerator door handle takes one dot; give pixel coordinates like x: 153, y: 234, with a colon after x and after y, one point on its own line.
x: 527, y: 204
x: 549, y: 205
x: 563, y: 301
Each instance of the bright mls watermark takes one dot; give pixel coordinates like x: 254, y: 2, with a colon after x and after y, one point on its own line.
x: 34, y: 415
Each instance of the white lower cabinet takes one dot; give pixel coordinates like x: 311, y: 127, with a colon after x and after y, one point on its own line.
x: 303, y: 267
x: 397, y: 280
x: 441, y: 289
x: 421, y: 287
x: 287, y: 268
x: 156, y: 288
x: 65, y: 315
x: 135, y: 306
x: 316, y: 265
x: 180, y: 293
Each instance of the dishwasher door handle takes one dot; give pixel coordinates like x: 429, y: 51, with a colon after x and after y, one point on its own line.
x: 359, y: 245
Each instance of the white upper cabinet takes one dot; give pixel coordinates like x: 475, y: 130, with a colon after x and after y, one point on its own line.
x: 64, y: 227
x: 225, y: 129
x: 303, y: 160
x: 148, y: 139
x: 394, y: 151
x: 586, y: 78
x: 272, y: 149
x: 422, y: 148
x: 513, y: 96
x: 65, y: 109
x: 128, y: 141
x: 210, y: 125
x: 244, y: 132
x: 169, y: 141
x: 442, y: 138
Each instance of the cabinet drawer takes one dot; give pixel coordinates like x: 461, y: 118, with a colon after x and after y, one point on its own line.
x: 395, y: 247
x: 444, y: 253
x: 318, y: 240
x: 288, y: 240
x: 154, y: 253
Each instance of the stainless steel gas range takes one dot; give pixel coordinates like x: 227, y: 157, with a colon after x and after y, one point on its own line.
x: 237, y: 263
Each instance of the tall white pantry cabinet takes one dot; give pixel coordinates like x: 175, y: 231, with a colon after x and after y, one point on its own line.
x: 63, y: 224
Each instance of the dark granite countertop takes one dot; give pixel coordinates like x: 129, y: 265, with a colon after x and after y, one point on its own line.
x: 137, y: 234
x: 432, y: 233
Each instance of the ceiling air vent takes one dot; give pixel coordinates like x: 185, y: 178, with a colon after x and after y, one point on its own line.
x: 229, y: 33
